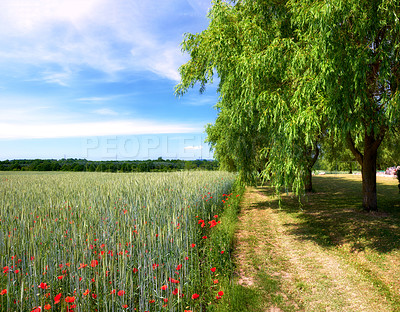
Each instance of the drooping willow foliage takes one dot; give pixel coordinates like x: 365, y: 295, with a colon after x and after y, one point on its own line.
x: 292, y: 73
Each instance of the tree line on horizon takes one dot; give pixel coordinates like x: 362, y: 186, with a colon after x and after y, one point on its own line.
x: 80, y: 165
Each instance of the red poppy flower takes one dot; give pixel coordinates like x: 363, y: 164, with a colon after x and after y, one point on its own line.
x: 3, y: 292
x: 179, y: 267
x: 195, y: 296
x: 86, y: 292
x: 60, y: 277
x: 164, y: 287
x: 212, y: 223
x: 57, y: 298
x: 112, y: 292
x: 216, y: 281
x: 213, y: 269
x: 171, y: 280
x: 47, y: 307
x: 94, y: 263
x: 193, y: 245
x: 135, y: 270
x: 221, y: 293
x: 121, y: 293
x: 6, y: 269
x: 43, y: 286
x: 38, y: 309
x: 175, y: 291
x: 204, y: 237
x: 125, y: 306
x: 69, y: 299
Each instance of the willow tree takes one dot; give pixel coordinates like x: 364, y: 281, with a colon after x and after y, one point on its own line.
x: 235, y: 148
x: 290, y: 71
x: 247, y: 44
x: 354, y: 47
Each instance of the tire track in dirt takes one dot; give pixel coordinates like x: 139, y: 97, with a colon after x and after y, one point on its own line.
x: 311, y: 277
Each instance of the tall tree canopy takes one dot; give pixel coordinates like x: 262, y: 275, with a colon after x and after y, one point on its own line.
x: 292, y: 72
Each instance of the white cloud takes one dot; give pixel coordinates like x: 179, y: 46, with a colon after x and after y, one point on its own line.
x: 107, y: 35
x: 60, y: 78
x: 106, y: 112
x: 26, y: 16
x: 30, y: 117
x: 165, y: 62
x: 85, y: 129
x: 193, y: 148
x: 203, y: 100
x: 93, y: 99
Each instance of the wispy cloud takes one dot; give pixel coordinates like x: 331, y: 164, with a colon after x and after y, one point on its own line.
x: 193, y: 148
x: 106, y: 112
x: 85, y: 129
x: 73, y: 68
x: 94, y: 99
x: 164, y: 62
x: 203, y: 100
x: 101, y: 99
x: 107, y: 35
x: 60, y: 78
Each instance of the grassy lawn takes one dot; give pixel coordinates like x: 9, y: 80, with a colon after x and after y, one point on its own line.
x: 323, y: 254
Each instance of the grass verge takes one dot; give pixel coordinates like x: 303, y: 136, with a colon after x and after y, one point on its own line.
x: 323, y: 254
x: 219, y: 248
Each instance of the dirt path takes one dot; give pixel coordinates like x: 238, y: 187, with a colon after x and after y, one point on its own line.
x: 291, y: 273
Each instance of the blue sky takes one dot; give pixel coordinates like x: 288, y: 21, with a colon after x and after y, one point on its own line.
x: 95, y: 79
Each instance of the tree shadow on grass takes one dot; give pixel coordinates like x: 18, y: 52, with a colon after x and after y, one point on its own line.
x: 333, y: 216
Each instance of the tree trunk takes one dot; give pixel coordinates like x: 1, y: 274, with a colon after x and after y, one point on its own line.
x: 308, y: 180
x: 368, y: 166
x: 311, y: 159
x: 369, y: 180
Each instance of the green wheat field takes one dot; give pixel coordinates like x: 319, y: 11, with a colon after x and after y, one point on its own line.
x: 111, y: 242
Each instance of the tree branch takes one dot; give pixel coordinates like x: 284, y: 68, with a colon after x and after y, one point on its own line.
x: 381, y: 136
x: 315, y: 157
x: 357, y: 154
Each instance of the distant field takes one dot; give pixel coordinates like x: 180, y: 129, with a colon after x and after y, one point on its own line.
x: 110, y: 242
